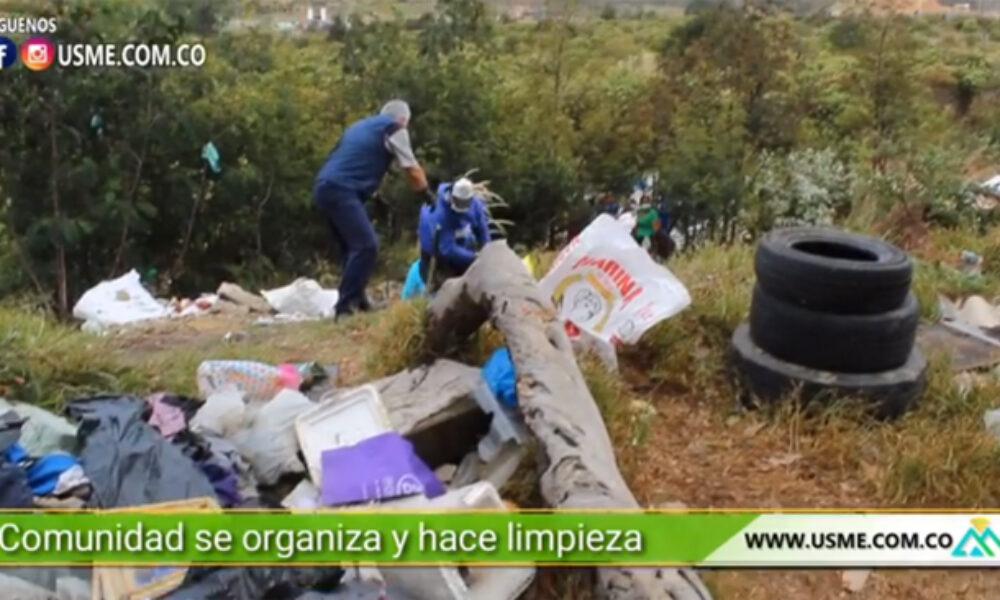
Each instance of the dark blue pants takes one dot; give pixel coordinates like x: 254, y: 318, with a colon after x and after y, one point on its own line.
x: 355, y: 237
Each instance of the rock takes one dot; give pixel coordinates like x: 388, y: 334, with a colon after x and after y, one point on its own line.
x: 239, y: 296
x: 854, y: 579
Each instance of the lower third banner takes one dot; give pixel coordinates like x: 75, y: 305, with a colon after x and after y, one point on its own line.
x: 714, y: 539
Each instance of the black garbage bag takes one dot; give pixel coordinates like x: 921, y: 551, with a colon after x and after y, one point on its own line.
x: 254, y: 583
x: 128, y: 462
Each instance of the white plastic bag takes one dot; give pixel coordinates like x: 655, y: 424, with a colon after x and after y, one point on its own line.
x: 608, y: 286
x: 118, y: 302
x: 270, y: 444
x: 302, y: 297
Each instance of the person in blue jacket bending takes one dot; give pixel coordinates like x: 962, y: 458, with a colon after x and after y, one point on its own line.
x: 451, y: 232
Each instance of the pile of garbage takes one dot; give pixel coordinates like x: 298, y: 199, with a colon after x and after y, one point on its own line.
x: 125, y: 300
x: 261, y: 435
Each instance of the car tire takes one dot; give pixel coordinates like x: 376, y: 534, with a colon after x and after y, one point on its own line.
x: 768, y: 378
x: 834, y: 342
x: 828, y: 270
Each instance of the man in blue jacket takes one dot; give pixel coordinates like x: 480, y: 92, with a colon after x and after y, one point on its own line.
x: 353, y: 172
x: 451, y: 232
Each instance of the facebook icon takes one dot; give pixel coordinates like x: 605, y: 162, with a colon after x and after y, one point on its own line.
x: 8, y: 52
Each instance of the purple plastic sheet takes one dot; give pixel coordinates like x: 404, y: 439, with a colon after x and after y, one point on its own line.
x: 379, y: 468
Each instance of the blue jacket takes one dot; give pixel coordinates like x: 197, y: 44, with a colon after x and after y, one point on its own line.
x: 458, y: 233
x: 360, y: 159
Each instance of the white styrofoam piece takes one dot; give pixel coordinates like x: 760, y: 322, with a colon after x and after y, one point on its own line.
x: 447, y: 583
x: 504, y: 426
x: 344, y: 420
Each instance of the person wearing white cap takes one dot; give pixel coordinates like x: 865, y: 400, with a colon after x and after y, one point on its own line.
x: 451, y: 232
x: 353, y: 172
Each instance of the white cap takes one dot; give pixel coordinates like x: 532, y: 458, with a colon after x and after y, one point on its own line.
x: 397, y: 109
x: 462, y: 190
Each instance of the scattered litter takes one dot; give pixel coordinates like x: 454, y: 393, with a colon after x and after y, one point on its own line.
x: 269, y: 443
x: 237, y: 295
x: 448, y: 582
x: 854, y: 579
x: 166, y: 417
x: 304, y: 496
x: 150, y: 582
x: 239, y: 583
x: 605, y: 284
x: 499, y: 375
x: 258, y: 382
x: 302, y: 297
x: 118, y: 302
x: 222, y: 413
x: 445, y: 473
x: 42, y: 432
x: 977, y: 311
x: 992, y: 421
x: 414, y: 285
x: 375, y: 469
x: 128, y: 461
x: 344, y: 420
x: 504, y: 425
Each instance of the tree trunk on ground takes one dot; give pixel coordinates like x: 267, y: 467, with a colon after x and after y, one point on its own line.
x: 575, y: 450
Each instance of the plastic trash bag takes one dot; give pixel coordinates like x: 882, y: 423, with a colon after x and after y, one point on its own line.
x: 378, y: 468
x: 303, y: 297
x: 222, y: 414
x: 605, y: 284
x: 240, y: 583
x: 128, y: 462
x: 118, y: 302
x: 500, y: 377
x: 258, y: 382
x: 269, y: 443
x: 414, y: 285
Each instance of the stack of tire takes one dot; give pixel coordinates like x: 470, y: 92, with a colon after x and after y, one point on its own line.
x: 832, y: 315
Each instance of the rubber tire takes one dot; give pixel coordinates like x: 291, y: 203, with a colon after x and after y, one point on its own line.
x: 831, y: 342
x: 827, y: 284
x: 767, y: 378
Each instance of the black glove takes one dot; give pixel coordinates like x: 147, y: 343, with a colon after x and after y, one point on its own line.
x: 430, y: 196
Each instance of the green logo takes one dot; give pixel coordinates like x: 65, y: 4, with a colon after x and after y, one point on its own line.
x: 977, y: 540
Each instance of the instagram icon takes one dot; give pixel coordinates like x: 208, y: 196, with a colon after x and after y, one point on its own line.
x: 37, y: 53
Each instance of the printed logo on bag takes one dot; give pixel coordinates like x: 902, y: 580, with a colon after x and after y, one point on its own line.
x: 8, y: 53
x: 978, y: 542
x: 37, y: 54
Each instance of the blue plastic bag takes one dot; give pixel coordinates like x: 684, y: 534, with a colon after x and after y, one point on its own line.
x: 500, y: 376
x: 414, y: 285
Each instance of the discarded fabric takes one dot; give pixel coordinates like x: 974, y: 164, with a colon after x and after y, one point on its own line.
x: 218, y: 469
x: 128, y: 461
x: 42, y: 432
x: 379, y: 468
x: 258, y: 382
x: 118, y: 302
x: 500, y: 376
x: 10, y: 429
x: 302, y: 297
x: 167, y: 418
x: 504, y: 425
x: 44, y: 473
x: 604, y: 283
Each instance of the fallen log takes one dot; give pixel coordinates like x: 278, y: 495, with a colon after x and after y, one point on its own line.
x: 575, y: 451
